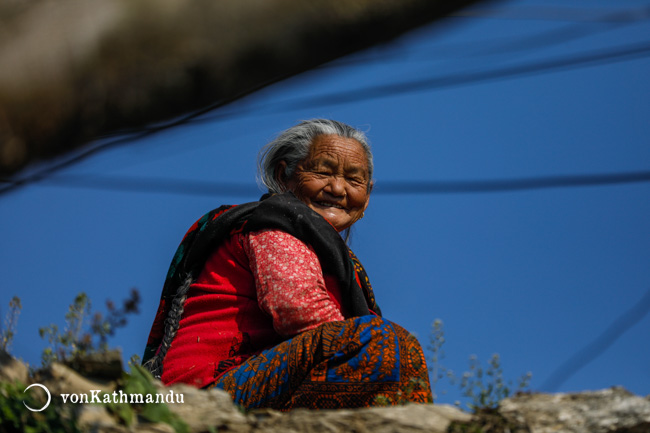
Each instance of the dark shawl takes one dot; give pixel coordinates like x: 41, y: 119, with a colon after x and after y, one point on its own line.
x: 281, y: 212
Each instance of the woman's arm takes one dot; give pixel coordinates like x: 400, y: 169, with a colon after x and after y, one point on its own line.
x: 289, y: 282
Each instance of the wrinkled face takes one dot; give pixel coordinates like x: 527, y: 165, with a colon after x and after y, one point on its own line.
x: 333, y: 180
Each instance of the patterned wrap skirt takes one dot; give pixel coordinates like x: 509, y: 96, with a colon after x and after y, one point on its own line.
x: 360, y: 362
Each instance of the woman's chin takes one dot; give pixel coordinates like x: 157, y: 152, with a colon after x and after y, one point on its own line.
x: 334, y: 216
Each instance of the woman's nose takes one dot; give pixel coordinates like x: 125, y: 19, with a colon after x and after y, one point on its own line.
x: 336, y: 186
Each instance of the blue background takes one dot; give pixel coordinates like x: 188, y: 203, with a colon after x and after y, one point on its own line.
x: 504, y: 91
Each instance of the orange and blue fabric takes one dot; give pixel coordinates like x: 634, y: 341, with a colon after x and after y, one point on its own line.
x: 359, y: 362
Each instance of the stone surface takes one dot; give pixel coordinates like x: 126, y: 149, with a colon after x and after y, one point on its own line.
x: 101, y: 366
x: 93, y: 417
x: 158, y: 427
x: 60, y: 379
x: 612, y: 410
x: 413, y: 418
x: 12, y: 370
x: 606, y: 411
x: 204, y: 408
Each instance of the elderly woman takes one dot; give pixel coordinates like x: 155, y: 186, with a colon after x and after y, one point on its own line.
x: 266, y: 301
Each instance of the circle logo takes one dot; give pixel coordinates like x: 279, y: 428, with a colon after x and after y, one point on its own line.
x: 49, y: 397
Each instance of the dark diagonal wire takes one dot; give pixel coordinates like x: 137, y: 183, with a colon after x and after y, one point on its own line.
x: 568, y: 33
x: 124, y: 137
x: 603, y: 22
x: 501, y: 185
x: 205, y: 188
x: 594, y: 349
x: 372, y: 92
x: 11, y: 184
x: 590, y: 59
x: 555, y: 13
x: 627, y: 52
x: 155, y: 185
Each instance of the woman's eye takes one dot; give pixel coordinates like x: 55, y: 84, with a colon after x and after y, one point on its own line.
x: 356, y: 180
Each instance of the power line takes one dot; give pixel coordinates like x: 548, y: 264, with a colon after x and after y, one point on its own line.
x: 611, y: 19
x: 425, y: 187
x: 155, y: 185
x: 555, y: 13
x: 599, y: 57
x: 127, y: 136
x: 594, y: 349
x: 576, y: 30
x: 593, y: 58
x: 569, y: 32
x: 590, y: 59
x: 502, y: 185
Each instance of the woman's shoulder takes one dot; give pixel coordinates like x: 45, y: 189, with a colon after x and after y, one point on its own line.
x: 273, y: 240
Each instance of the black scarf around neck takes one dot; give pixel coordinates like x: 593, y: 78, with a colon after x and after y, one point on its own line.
x: 280, y: 212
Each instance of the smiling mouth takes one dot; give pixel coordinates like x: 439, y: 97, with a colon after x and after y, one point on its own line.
x: 328, y: 205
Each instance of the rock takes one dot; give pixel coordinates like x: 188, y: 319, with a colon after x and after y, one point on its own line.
x: 202, y: 409
x: 104, y: 365
x: 142, y: 428
x: 93, y: 417
x: 60, y: 379
x: 612, y: 410
x: 158, y: 427
x: 607, y: 411
x: 12, y: 370
x: 412, y: 418
x: 214, y: 408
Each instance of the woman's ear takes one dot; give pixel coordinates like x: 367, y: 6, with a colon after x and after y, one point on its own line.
x: 281, y: 173
x: 370, y: 187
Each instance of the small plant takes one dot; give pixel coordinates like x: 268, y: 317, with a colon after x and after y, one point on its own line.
x: 140, y: 381
x: 61, y: 418
x: 11, y: 319
x: 103, y: 327
x: 15, y: 417
x: 70, y: 343
x: 83, y: 335
x: 382, y: 400
x: 484, y: 387
x: 487, y: 387
x: 438, y: 370
x: 135, y: 360
x: 414, y: 385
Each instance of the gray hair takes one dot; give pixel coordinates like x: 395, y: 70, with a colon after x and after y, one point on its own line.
x: 292, y: 146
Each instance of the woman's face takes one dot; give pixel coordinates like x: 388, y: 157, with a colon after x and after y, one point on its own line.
x: 333, y: 180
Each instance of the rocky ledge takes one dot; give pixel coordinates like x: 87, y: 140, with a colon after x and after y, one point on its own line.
x: 613, y: 410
